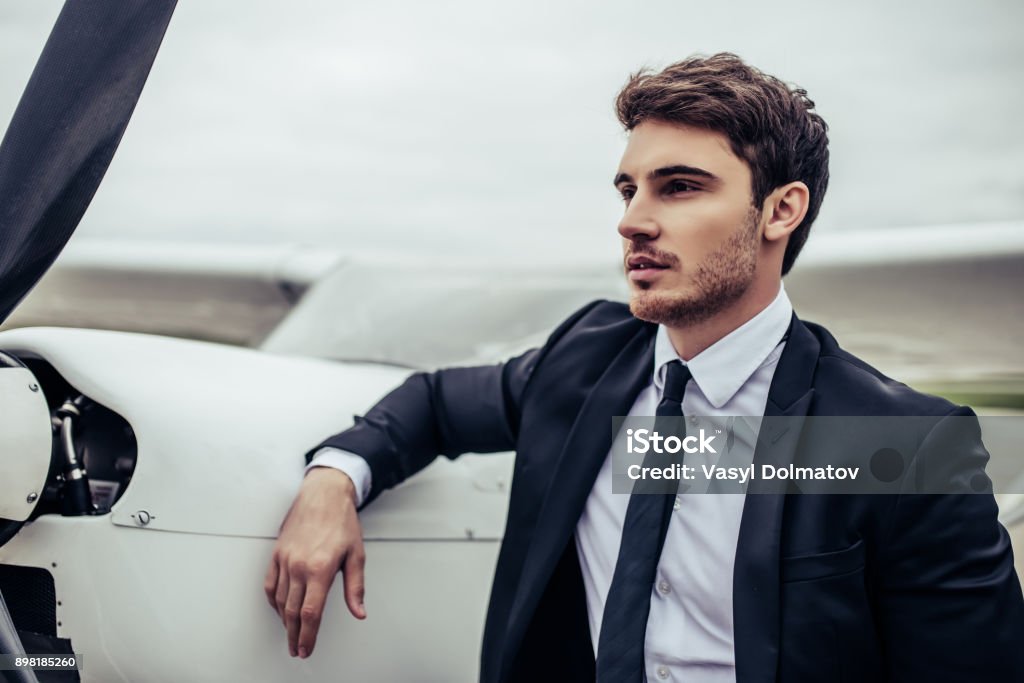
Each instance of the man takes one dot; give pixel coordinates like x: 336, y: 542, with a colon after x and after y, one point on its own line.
x: 723, y: 174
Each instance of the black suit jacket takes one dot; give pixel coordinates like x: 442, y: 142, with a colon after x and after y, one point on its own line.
x: 826, y: 587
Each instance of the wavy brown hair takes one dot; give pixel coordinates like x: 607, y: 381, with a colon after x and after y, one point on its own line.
x: 770, y: 126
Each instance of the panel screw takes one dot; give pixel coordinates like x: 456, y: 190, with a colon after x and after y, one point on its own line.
x: 33, y: 386
x: 142, y: 517
x: 32, y: 497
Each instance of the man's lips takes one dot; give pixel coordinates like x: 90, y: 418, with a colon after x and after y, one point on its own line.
x: 644, y: 268
x: 644, y: 263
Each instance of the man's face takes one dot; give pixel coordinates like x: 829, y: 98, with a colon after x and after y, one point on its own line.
x: 691, y: 236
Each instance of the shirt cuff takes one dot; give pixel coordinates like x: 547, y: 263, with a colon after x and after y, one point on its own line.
x: 351, y: 464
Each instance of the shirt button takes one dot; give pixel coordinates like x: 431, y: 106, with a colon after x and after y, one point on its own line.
x: 662, y: 673
x: 664, y: 588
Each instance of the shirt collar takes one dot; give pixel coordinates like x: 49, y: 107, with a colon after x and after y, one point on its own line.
x: 724, y: 367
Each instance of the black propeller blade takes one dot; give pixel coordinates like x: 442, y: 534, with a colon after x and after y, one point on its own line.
x: 66, y: 128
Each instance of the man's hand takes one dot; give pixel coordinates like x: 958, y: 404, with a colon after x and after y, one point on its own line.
x: 320, y: 535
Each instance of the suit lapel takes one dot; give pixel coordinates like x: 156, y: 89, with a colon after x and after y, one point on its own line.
x: 576, y: 470
x: 756, y: 573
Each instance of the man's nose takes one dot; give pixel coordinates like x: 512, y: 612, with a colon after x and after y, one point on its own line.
x: 637, y: 222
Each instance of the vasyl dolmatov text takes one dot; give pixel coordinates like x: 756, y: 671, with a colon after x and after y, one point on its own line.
x: 839, y: 455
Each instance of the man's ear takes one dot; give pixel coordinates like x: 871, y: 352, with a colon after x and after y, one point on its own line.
x: 784, y: 209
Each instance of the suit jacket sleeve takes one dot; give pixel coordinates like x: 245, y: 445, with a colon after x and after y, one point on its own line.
x: 951, y: 604
x: 447, y: 412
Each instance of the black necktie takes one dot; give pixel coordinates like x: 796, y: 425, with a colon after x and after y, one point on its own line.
x: 620, y: 646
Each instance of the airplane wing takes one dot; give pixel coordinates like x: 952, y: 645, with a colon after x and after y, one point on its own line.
x: 233, y: 294
x: 935, y: 305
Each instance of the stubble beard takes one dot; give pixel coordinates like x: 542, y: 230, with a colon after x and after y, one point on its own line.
x: 718, y: 281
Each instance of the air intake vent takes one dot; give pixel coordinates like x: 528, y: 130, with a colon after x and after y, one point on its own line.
x: 31, y: 598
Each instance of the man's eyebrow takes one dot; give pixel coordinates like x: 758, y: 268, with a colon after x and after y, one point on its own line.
x: 679, y: 169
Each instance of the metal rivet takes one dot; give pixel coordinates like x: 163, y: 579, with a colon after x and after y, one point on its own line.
x: 142, y: 517
x: 33, y: 386
x: 32, y: 497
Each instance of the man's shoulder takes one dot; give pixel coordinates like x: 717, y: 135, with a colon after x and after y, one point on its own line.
x: 590, y: 338
x: 601, y: 319
x: 852, y: 386
x: 603, y: 312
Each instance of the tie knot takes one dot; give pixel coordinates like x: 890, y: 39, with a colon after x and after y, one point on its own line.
x: 676, y: 377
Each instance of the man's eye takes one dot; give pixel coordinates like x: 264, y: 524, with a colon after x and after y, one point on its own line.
x: 627, y: 193
x: 680, y: 186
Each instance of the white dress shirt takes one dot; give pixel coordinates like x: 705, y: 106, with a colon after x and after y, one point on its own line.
x: 690, y: 626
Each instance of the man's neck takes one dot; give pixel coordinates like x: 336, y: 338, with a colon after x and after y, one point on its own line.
x: 690, y: 340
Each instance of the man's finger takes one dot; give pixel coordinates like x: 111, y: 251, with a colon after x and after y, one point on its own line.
x: 354, y: 584
x: 292, y: 607
x: 311, y: 612
x: 270, y: 582
x: 281, y: 594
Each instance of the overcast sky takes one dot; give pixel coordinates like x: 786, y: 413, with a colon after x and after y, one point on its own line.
x: 486, y: 129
